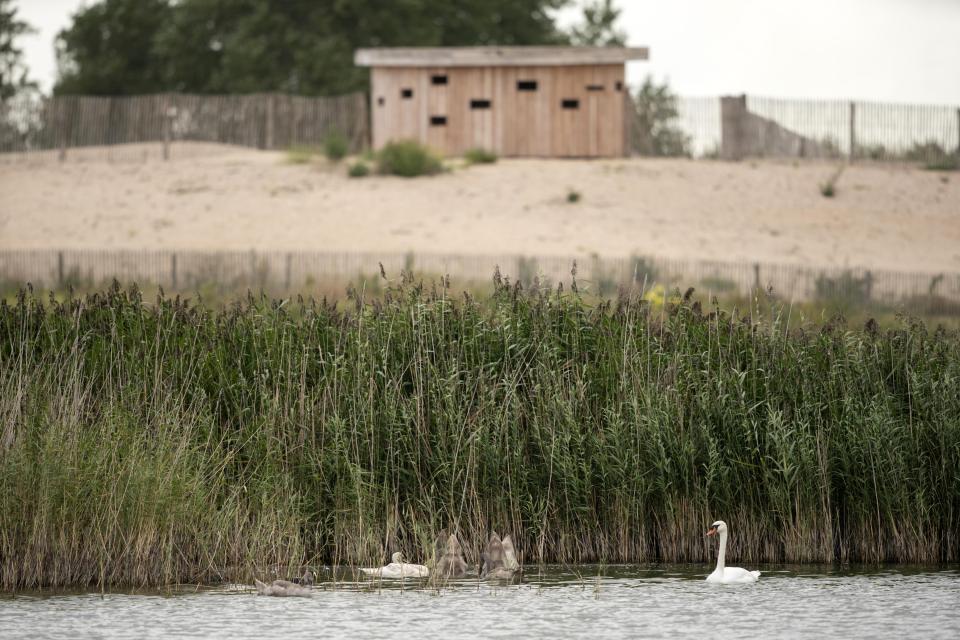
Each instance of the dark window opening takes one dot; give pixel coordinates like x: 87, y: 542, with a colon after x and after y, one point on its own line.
x: 380, y: 101
x: 438, y: 121
x: 406, y: 93
x: 619, y: 86
x: 570, y: 104
x: 440, y: 79
x: 479, y: 104
x: 594, y: 87
x: 526, y: 85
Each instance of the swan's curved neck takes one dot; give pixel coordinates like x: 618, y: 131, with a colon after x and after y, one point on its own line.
x: 721, y: 556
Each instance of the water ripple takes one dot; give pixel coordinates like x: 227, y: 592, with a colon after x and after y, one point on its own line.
x: 610, y: 602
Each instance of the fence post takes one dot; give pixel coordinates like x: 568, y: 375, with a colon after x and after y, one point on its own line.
x: 853, y: 130
x: 169, y: 113
x: 173, y: 271
x: 629, y: 117
x: 756, y: 276
x: 60, y: 268
x: 271, y: 110
x: 61, y: 112
x: 733, y: 112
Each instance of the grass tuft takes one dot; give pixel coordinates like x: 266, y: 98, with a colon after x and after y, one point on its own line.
x: 828, y: 189
x: 301, y: 154
x: 478, y: 155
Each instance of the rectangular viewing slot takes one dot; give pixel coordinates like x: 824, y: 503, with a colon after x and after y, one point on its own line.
x: 406, y: 93
x: 526, y: 85
x: 619, y: 86
x: 380, y: 101
x: 479, y: 104
x: 594, y: 87
x: 438, y: 79
x: 570, y: 104
x: 438, y: 121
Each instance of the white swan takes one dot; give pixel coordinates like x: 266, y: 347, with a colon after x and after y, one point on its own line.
x: 398, y: 569
x: 724, y: 574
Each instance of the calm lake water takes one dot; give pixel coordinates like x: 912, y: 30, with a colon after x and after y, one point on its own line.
x: 797, y: 602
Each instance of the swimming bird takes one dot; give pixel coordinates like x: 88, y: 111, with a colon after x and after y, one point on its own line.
x: 398, y: 569
x: 287, y: 588
x: 509, y: 554
x: 495, y: 562
x: 450, y: 562
x: 724, y: 574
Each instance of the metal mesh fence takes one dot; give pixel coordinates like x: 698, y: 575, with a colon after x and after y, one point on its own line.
x: 736, y: 127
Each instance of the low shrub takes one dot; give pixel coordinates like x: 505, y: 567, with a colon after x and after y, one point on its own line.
x: 573, y: 196
x: 336, y: 146
x: 359, y: 169
x: 408, y: 159
x: 479, y: 155
x: 929, y: 151
x: 946, y: 163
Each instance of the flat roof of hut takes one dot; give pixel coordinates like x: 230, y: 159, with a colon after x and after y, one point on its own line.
x: 515, y: 101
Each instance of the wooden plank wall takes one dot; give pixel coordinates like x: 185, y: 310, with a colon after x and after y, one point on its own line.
x: 518, y: 123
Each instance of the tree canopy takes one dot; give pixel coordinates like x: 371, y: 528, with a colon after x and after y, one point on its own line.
x: 108, y: 48
x: 599, y: 27
x: 655, y: 131
x: 296, y: 46
x: 13, y: 73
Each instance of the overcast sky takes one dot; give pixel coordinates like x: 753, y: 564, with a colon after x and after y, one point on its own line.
x: 884, y: 50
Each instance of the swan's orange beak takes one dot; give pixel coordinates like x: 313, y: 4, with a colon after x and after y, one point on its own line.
x: 712, y: 531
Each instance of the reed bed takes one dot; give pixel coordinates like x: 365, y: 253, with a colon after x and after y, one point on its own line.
x: 146, y: 443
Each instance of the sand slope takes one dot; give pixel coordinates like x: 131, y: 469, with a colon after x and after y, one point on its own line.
x: 889, y: 217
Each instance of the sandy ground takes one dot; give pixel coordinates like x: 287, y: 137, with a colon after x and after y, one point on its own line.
x: 882, y: 216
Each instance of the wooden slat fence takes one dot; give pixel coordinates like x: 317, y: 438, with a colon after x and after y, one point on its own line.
x: 117, y: 127
x: 120, y: 127
x: 277, y: 270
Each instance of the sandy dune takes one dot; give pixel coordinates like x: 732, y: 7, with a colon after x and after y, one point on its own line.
x: 889, y: 217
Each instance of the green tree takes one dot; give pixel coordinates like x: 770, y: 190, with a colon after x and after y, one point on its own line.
x: 13, y: 73
x: 300, y: 46
x: 109, y: 48
x: 191, y: 45
x: 240, y: 46
x: 599, y: 27
x: 654, y: 132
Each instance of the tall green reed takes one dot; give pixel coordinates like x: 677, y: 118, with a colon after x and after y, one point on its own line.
x: 154, y: 443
